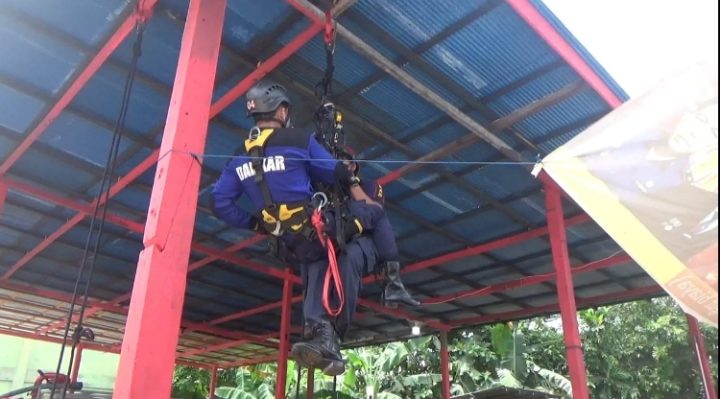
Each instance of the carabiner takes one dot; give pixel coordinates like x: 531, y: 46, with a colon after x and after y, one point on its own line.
x: 323, y: 200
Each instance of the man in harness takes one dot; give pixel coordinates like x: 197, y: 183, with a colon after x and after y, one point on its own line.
x: 276, y: 170
x: 371, y: 214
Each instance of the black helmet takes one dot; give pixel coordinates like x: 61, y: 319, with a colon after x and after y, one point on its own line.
x: 265, y: 97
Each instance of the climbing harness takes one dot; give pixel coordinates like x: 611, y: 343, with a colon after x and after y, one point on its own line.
x: 276, y: 218
x: 97, y: 223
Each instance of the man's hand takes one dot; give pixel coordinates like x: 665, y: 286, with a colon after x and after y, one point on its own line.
x: 345, y: 177
x: 358, y: 194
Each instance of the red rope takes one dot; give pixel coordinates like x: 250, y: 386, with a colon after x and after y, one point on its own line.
x: 332, y: 275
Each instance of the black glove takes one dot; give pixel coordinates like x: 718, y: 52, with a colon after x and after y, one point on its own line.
x: 344, y: 176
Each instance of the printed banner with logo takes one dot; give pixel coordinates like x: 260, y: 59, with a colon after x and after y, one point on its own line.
x: 647, y: 173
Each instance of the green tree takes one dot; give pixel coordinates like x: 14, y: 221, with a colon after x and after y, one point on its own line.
x: 633, y: 350
x: 194, y: 383
x: 642, y: 350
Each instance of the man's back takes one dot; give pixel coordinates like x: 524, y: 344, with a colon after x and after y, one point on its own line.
x: 292, y: 158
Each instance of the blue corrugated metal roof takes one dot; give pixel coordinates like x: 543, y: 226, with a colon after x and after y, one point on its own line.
x: 495, y: 58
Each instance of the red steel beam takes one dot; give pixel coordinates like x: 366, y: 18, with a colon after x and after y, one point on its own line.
x: 698, y: 346
x: 148, y: 352
x: 3, y: 195
x: 229, y: 250
x: 554, y: 308
x: 220, y: 105
x: 122, y: 298
x: 221, y: 254
x: 285, y: 324
x: 75, y: 220
x: 537, y: 22
x: 224, y: 345
x: 273, y: 62
x: 402, y: 314
x: 106, y: 306
x: 251, y: 312
x: 213, y: 254
x: 86, y: 345
x: 255, y: 266
x: 80, y: 81
x: 484, y: 248
x: 249, y: 362
x: 265, y: 68
x: 566, y: 292
x: 527, y: 281
x: 57, y: 295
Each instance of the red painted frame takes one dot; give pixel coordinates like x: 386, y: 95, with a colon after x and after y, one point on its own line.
x: 566, y: 292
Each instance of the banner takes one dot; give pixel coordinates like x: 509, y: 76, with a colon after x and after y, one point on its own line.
x: 647, y: 173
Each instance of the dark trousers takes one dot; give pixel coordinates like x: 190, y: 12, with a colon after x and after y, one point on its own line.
x: 376, y: 222
x: 358, y: 259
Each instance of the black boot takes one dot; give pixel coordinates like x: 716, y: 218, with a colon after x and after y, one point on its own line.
x: 395, y: 293
x: 322, y: 351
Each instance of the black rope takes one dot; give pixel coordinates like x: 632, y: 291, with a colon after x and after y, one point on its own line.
x: 81, y: 332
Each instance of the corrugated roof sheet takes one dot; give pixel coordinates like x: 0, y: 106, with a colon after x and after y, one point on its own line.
x: 494, y: 58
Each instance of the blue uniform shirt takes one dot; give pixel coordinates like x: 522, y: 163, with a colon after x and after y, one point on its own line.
x: 292, y: 159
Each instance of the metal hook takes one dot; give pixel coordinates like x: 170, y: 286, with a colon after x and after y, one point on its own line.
x: 323, y: 200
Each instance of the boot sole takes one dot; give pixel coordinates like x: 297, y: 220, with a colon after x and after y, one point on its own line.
x: 307, y: 356
x: 310, y: 357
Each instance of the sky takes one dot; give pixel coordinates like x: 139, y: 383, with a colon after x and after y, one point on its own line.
x: 641, y: 41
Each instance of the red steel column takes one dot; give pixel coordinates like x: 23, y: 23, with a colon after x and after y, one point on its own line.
x: 310, y: 384
x: 445, y: 365
x: 76, y: 364
x: 213, y: 381
x: 151, y: 333
x: 566, y: 291
x: 284, y: 349
x: 698, y: 345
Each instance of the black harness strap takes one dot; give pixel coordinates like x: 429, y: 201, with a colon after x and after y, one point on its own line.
x: 255, y: 146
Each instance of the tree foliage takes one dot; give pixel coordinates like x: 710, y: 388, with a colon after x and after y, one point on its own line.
x: 632, y: 350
